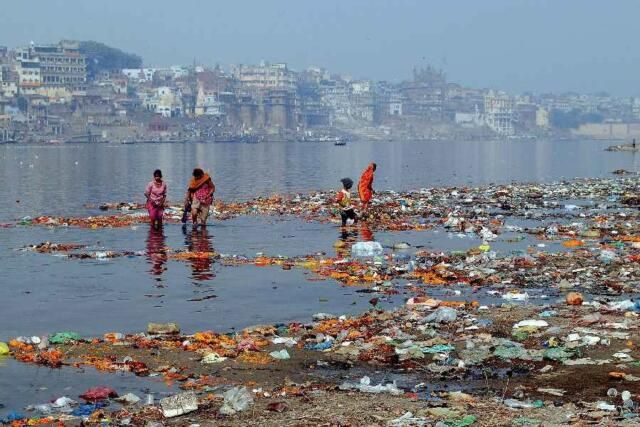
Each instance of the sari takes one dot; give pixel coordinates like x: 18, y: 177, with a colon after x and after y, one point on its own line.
x: 365, y: 186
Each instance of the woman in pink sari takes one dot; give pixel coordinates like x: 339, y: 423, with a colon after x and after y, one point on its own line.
x: 156, y: 194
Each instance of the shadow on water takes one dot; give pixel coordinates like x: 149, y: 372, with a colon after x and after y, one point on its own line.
x: 199, y: 240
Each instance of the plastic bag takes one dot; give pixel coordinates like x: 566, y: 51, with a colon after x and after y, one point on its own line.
x: 442, y: 315
x: 280, y: 355
x: 64, y: 337
x: 366, y: 249
x: 365, y: 386
x: 237, y: 399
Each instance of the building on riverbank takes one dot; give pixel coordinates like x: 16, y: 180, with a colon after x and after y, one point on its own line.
x: 44, y: 67
x: 499, y: 112
x: 265, y: 76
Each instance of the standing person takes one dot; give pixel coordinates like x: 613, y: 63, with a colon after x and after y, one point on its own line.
x: 156, y: 194
x: 200, y: 196
x: 365, y: 186
x: 343, y: 199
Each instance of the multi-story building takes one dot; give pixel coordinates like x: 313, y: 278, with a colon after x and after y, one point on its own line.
x: 424, y: 96
x: 213, y: 89
x: 29, y: 75
x: 334, y: 94
x: 362, y: 102
x: 52, y: 66
x: 542, y: 118
x: 164, y: 101
x: 8, y: 86
x: 266, y: 77
x: 499, y: 112
x: 464, y: 104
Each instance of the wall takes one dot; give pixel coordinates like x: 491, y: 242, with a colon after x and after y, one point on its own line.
x: 608, y: 130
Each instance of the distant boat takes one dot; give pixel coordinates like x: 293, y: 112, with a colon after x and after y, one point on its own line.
x: 337, y: 140
x: 55, y: 141
x: 127, y: 141
x: 224, y: 139
x: 251, y: 139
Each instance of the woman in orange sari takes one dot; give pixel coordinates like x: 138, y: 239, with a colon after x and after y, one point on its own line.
x: 200, y: 196
x: 365, y: 186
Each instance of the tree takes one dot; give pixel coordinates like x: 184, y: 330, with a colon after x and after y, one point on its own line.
x: 101, y: 57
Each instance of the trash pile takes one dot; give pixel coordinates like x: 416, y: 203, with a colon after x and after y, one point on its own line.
x: 544, y: 351
x: 546, y: 333
x: 466, y: 209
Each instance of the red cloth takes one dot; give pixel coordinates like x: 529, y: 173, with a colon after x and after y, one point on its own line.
x: 365, y: 186
x: 98, y: 393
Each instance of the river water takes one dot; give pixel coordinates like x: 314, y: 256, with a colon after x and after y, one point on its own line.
x: 42, y: 294
x: 60, y: 179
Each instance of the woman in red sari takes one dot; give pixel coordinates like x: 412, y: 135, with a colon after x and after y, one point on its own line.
x: 365, y: 186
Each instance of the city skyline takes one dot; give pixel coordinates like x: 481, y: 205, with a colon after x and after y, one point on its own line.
x: 523, y: 46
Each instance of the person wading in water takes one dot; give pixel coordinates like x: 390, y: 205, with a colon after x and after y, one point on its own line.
x: 199, y: 197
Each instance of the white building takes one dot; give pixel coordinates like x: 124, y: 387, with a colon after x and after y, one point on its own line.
x: 29, y: 75
x: 52, y: 66
x: 499, y: 112
x: 470, y: 119
x: 542, y: 118
x: 209, y: 105
x: 360, y: 87
x: 164, y: 101
x: 139, y: 74
x: 395, y: 107
x: 179, y: 71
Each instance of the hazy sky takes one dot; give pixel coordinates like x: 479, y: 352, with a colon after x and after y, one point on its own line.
x: 539, y: 45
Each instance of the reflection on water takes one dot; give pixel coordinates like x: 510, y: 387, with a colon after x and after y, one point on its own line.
x: 366, y: 235
x: 350, y: 235
x: 347, y: 237
x: 199, y: 240
x: 156, y: 251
